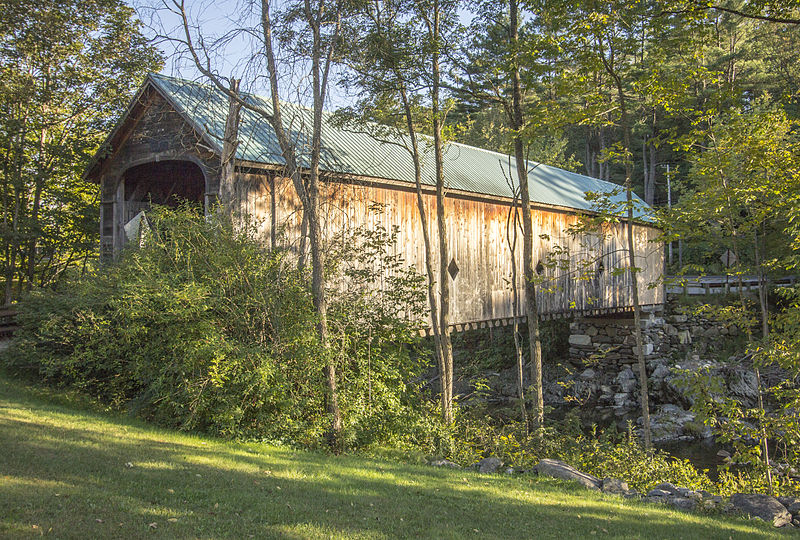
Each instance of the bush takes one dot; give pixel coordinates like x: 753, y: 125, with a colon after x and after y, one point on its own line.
x: 203, y: 329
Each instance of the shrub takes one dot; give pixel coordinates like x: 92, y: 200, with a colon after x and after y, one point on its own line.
x: 202, y: 328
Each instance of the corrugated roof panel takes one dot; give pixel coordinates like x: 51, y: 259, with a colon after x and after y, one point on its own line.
x: 345, y: 151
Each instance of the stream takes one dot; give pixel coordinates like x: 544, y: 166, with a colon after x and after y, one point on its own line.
x: 700, y: 453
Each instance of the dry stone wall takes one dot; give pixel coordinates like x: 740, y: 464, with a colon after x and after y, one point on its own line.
x: 604, y: 375
x: 609, y: 342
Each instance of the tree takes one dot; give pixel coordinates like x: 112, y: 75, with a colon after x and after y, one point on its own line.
x: 404, y: 95
x: 492, y: 74
x: 311, y: 32
x: 69, y: 69
x: 608, y: 37
x: 747, y: 180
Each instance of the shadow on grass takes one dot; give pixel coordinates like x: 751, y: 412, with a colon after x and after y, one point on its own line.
x: 72, y: 474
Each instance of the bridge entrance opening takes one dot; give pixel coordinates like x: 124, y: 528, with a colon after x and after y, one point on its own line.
x: 163, y: 183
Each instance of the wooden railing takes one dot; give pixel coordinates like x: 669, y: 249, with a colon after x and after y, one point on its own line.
x: 8, y: 321
x: 702, y: 285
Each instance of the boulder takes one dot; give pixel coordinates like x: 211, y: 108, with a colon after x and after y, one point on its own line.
x: 489, y: 465
x: 615, y: 486
x: 661, y: 372
x: 763, y: 507
x: 653, y: 493
x: 580, y: 340
x: 559, y: 469
x: 444, y: 463
x: 627, y: 386
x: 792, y: 504
x: 742, y: 383
x: 667, y: 424
x: 682, y: 503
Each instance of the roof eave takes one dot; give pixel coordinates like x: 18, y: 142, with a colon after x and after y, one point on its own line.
x: 104, y: 149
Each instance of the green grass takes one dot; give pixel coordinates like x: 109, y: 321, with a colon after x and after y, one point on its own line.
x: 69, y: 473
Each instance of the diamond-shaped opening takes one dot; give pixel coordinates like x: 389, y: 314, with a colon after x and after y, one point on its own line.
x: 452, y: 269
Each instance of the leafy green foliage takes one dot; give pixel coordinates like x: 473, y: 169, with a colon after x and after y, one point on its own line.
x: 69, y: 68
x: 203, y: 329
x: 606, y: 454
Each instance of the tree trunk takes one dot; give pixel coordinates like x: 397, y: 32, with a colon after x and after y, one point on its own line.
x: 531, y: 308
x: 650, y: 188
x: 637, y: 309
x: 229, y: 144
x: 762, y: 286
x: 431, y: 275
x: 444, y: 255
x: 310, y: 196
x: 511, y: 239
x: 319, y: 80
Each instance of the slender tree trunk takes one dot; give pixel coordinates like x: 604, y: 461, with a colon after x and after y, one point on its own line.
x: 444, y: 255
x: 302, y: 248
x: 273, y: 218
x: 309, y: 196
x: 320, y: 80
x: 750, y: 341
x: 762, y: 285
x: 431, y: 275
x: 650, y: 194
x: 762, y: 298
x: 18, y: 200
x: 39, y: 180
x: 637, y: 318
x: 511, y: 239
x: 531, y: 308
x: 637, y: 308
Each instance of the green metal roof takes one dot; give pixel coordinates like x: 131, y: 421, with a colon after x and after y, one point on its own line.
x: 466, y: 168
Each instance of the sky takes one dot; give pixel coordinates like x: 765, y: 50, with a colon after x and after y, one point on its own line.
x: 216, y: 23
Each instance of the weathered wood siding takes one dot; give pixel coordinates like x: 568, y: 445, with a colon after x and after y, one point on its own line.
x: 481, y: 290
x: 154, y: 132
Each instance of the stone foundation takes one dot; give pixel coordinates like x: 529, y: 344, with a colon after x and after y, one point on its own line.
x: 610, y: 342
x: 604, y: 374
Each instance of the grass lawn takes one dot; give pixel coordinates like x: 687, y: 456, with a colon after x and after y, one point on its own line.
x: 69, y: 473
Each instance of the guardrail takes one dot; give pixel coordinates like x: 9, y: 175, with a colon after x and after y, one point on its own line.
x: 703, y: 285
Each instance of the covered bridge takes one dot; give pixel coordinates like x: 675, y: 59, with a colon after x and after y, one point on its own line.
x: 167, y: 146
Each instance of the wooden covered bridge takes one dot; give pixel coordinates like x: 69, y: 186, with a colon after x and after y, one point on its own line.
x: 167, y: 147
